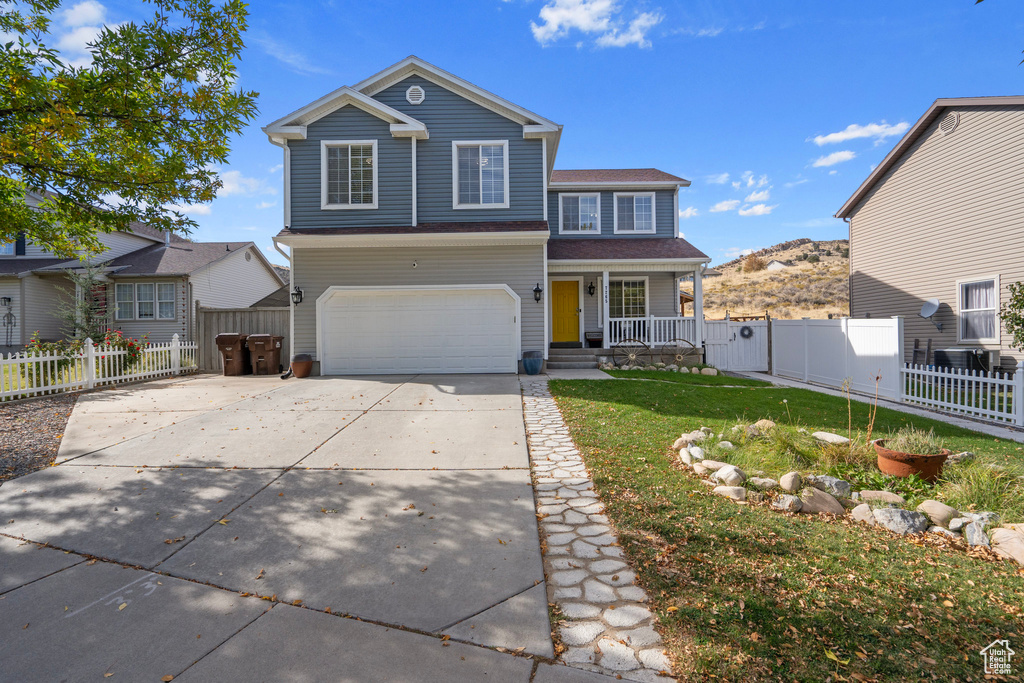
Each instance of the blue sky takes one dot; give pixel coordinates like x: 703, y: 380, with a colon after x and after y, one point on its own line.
x: 775, y: 110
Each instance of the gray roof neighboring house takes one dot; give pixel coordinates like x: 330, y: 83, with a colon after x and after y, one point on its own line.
x: 15, y: 266
x: 178, y: 258
x: 279, y: 298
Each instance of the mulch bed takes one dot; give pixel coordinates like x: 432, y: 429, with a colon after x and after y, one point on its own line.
x: 30, y: 433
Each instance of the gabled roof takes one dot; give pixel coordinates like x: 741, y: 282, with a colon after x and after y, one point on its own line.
x: 15, y: 266
x: 615, y: 176
x: 174, y: 259
x: 913, y: 135
x: 293, y: 126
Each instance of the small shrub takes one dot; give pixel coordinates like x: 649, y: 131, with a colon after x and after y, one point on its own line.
x: 813, y: 258
x: 913, y: 440
x: 752, y: 264
x: 845, y: 252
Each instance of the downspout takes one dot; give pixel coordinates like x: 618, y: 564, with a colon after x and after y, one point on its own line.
x: 291, y: 304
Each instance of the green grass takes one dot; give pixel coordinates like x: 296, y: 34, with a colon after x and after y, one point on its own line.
x: 744, y: 593
x: 688, y: 378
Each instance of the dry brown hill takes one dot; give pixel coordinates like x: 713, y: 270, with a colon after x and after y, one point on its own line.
x: 813, y: 285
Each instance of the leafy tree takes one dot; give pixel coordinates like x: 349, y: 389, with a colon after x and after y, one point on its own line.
x: 84, y: 308
x: 1012, y: 315
x: 124, y: 137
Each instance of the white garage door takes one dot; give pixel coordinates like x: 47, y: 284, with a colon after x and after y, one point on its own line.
x: 418, y: 331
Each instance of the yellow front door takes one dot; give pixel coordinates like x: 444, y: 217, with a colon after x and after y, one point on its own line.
x: 565, y: 311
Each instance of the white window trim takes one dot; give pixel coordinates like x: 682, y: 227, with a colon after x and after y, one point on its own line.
x: 647, y: 295
x: 960, y: 309
x: 615, y: 213
x: 324, y: 144
x: 455, y: 173
x: 156, y: 302
x: 597, y: 228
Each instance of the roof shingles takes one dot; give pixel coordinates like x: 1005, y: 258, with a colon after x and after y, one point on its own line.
x: 179, y: 258
x: 634, y: 248
x: 614, y: 175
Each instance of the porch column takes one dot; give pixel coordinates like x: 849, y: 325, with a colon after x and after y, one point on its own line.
x: 604, y: 309
x: 698, y: 307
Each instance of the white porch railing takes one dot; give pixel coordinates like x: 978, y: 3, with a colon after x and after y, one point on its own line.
x: 32, y: 373
x: 653, y: 331
x: 995, y: 395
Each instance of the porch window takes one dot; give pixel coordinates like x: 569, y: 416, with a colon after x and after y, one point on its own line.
x: 348, y: 174
x: 627, y: 299
x: 579, y: 213
x: 634, y: 212
x: 979, y: 309
x: 480, y: 172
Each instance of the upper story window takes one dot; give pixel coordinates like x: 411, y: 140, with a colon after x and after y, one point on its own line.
x: 634, y: 212
x: 6, y: 248
x: 144, y: 301
x: 579, y: 213
x: 348, y: 174
x: 978, y: 306
x: 480, y: 174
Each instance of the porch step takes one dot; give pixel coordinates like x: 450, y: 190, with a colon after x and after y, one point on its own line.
x: 554, y: 351
x: 571, y: 365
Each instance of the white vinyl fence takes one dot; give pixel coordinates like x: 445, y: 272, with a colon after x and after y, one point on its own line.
x: 737, y: 345
x: 830, y: 352
x: 32, y: 373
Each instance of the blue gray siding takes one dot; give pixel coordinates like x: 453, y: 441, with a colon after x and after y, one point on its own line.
x: 394, y: 173
x: 664, y: 214
x: 451, y: 117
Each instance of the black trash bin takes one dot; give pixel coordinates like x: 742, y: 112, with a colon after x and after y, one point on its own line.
x: 265, y: 353
x: 234, y: 353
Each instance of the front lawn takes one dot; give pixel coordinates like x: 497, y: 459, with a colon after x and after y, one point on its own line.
x: 744, y: 593
x: 688, y: 378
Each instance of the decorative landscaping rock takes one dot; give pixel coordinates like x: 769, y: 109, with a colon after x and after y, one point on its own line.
x: 730, y: 475
x: 763, y: 483
x: 699, y: 468
x: 829, y: 437
x: 755, y: 497
x: 958, y: 524
x: 787, y: 503
x: 974, y: 534
x: 837, y: 487
x: 707, y: 430
x: 940, y: 513
x: 726, y: 445
x: 713, y: 464
x: 957, y: 458
x: 901, y: 521
x: 887, y: 497
x: 791, y: 482
x: 862, y: 513
x: 733, y: 492
x: 984, y: 519
x: 685, y: 457
x: 765, y: 425
x: 1009, y: 543
x: 815, y: 501
x: 943, y: 531
x: 680, y: 443
x: 697, y: 452
x: 752, y: 431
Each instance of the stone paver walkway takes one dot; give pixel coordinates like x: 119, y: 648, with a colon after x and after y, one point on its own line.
x: 607, y: 627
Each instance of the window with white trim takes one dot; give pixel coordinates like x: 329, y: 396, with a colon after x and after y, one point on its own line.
x: 6, y: 248
x: 978, y: 306
x: 480, y: 174
x: 579, y: 213
x: 634, y: 212
x: 627, y: 298
x: 144, y: 301
x: 348, y: 174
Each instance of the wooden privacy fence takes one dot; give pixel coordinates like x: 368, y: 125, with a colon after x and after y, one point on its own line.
x: 212, y: 321
x: 37, y: 373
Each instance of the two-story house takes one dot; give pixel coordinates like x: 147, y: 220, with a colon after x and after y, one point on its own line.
x: 152, y: 281
x: 429, y: 232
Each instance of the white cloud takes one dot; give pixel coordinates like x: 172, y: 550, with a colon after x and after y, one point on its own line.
x: 87, y: 13
x: 719, y: 179
x: 757, y: 210
x: 276, y: 168
x: 760, y: 196
x: 736, y: 184
x: 634, y: 34
x: 236, y: 183
x: 683, y: 235
x: 833, y: 172
x: 727, y: 205
x: 191, y: 209
x: 561, y: 17
x: 798, y: 181
x: 266, y: 205
x: 834, y: 158
x: 735, y: 252
x: 688, y: 212
x: 878, y: 131
x: 295, y: 61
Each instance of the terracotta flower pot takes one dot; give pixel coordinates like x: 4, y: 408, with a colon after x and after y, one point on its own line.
x: 898, y: 464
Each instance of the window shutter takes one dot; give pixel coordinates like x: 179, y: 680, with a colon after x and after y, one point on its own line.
x: 19, y: 245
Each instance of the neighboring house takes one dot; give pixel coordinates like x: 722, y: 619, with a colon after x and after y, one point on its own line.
x: 776, y: 265
x: 152, y: 283
x: 429, y: 232
x: 940, y: 218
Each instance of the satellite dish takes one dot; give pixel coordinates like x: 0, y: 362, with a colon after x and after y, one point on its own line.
x: 930, y: 308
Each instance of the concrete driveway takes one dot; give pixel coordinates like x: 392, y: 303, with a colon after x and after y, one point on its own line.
x: 221, y: 528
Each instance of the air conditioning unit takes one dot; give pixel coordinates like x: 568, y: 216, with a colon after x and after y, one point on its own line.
x: 979, y: 360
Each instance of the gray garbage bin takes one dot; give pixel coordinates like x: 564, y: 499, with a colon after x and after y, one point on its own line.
x: 533, y: 361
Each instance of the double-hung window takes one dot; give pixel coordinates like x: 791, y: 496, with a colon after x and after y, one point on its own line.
x: 978, y: 304
x: 634, y: 212
x: 144, y: 301
x: 480, y: 174
x: 6, y: 248
x: 579, y: 213
x: 627, y: 298
x: 348, y: 174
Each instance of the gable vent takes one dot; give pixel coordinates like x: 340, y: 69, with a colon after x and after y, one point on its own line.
x: 949, y: 123
x: 415, y: 94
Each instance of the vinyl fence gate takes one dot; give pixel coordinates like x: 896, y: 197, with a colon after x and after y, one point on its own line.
x: 213, y: 321
x: 737, y: 345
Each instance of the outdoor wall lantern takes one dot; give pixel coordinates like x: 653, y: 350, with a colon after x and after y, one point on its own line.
x: 537, y: 291
x: 296, y: 295
x: 5, y: 301
x: 591, y: 289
